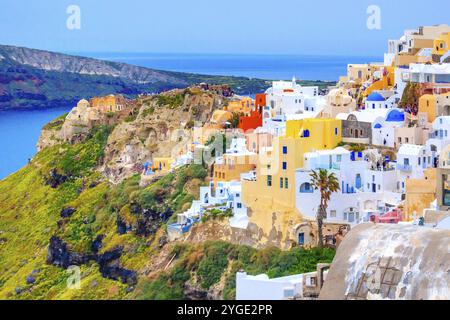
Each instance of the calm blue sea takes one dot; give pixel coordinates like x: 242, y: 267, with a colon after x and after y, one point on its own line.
x: 273, y: 67
x: 20, y: 129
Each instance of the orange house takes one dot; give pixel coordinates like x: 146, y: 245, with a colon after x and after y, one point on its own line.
x: 260, y: 100
x: 251, y: 122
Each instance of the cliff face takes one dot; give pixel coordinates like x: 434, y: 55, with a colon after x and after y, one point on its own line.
x: 52, y: 61
x: 159, y: 126
x: 37, y: 78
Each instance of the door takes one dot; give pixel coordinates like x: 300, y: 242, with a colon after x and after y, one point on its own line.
x: 358, y: 181
x: 301, y: 238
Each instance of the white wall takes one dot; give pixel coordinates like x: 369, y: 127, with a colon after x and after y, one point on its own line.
x: 262, y: 288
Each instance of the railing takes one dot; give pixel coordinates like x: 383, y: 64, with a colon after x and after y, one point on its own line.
x: 403, y: 167
x: 334, y: 166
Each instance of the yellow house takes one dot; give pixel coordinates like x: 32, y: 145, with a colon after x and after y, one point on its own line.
x: 386, y: 82
x: 275, y: 182
x: 245, y: 105
x: 232, y: 166
x: 110, y: 103
x: 442, y: 44
x: 434, y: 105
x: 419, y: 194
x: 162, y: 164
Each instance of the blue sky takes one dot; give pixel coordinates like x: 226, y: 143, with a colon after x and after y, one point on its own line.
x: 210, y: 26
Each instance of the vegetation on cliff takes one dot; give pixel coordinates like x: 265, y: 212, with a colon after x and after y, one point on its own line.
x: 215, y: 263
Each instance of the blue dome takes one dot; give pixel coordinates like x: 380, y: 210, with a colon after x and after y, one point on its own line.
x: 375, y: 96
x: 378, y: 126
x: 395, y: 116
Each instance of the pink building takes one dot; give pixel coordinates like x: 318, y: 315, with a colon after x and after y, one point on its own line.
x: 258, y: 140
x: 392, y: 217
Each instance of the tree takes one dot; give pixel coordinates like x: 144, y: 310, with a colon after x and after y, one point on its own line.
x: 235, y: 119
x: 326, y: 183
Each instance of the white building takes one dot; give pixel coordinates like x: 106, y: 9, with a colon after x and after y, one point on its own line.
x: 261, y: 287
x: 412, y: 161
x: 357, y: 199
x: 276, y: 125
x: 378, y: 101
x: 384, y: 124
x: 440, y: 134
x: 183, y: 160
x: 225, y: 196
x: 430, y: 73
x: 288, y: 97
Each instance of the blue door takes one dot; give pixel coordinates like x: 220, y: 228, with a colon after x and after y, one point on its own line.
x: 301, y: 239
x: 358, y: 181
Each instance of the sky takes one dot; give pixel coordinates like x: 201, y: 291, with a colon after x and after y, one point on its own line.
x: 326, y: 27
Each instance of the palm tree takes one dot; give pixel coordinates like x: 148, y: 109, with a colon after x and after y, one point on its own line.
x: 326, y: 183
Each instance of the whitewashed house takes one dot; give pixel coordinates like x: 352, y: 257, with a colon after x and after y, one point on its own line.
x: 288, y: 97
x: 384, y: 124
x: 377, y: 100
x: 440, y: 135
x: 356, y: 201
x: 225, y: 196
x: 412, y: 161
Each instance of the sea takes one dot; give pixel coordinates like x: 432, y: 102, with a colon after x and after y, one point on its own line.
x: 20, y: 128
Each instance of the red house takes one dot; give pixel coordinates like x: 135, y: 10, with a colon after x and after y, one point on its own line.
x: 254, y: 120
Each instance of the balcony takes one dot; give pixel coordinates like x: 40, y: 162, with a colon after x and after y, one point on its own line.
x: 333, y: 166
x: 403, y: 167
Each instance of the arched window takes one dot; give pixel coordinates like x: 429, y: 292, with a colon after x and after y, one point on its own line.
x: 306, y: 188
x: 306, y: 134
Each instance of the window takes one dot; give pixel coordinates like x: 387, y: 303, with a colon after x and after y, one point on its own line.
x: 338, y: 158
x: 284, y: 165
x: 407, y: 140
x: 406, y: 161
x: 281, y: 183
x: 306, y: 188
x: 284, y: 150
x: 306, y: 134
x: 332, y: 213
x: 239, y: 205
x: 238, y: 195
x: 269, y: 181
x: 336, y: 131
x: 286, y: 183
x: 418, y: 161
